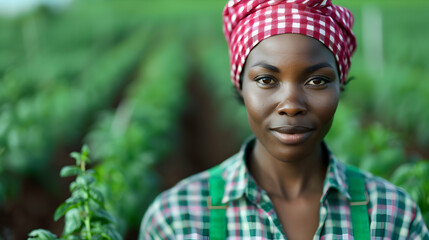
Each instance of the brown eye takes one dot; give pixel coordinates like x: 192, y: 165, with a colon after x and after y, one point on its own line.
x: 266, y: 81
x: 317, y: 82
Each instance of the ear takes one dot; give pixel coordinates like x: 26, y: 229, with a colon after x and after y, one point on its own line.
x: 239, y: 94
x: 240, y: 90
x: 240, y: 84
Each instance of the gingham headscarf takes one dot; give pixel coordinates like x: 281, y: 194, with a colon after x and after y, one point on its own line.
x: 248, y: 22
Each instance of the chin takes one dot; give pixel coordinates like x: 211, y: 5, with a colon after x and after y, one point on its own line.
x: 290, y: 152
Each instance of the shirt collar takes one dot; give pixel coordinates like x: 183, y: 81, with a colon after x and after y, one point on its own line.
x: 236, y: 173
x: 239, y: 181
x: 335, y: 176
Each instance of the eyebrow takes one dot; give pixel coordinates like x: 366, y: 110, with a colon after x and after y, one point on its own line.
x: 319, y: 66
x: 277, y: 70
x: 267, y: 66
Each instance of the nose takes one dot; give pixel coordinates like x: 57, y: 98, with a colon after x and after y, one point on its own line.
x: 291, y: 102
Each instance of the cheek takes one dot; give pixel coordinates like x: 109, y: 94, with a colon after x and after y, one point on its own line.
x: 325, y: 107
x: 257, y: 104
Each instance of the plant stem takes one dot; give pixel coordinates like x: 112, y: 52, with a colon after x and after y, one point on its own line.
x: 87, y: 217
x: 82, y: 166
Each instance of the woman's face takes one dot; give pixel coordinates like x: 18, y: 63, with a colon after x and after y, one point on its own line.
x: 291, y: 91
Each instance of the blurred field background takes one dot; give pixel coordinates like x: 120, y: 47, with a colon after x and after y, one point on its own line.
x: 146, y: 85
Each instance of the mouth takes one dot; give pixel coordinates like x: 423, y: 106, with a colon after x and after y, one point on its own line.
x: 291, y: 134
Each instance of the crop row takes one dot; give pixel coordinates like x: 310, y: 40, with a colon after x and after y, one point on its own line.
x: 51, y: 110
x: 130, y: 140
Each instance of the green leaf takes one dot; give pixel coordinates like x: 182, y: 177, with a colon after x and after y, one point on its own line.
x: 81, y: 195
x: 423, y: 168
x: 112, y: 233
x: 85, y: 150
x: 403, y: 174
x: 73, y: 237
x: 76, y: 198
x: 76, y: 156
x: 103, y: 216
x: 73, y: 186
x: 42, y: 234
x: 97, y: 236
x: 107, y: 231
x: 73, y: 221
x: 68, y: 171
x: 85, y: 154
x: 97, y: 196
x: 85, y: 180
x: 62, y: 209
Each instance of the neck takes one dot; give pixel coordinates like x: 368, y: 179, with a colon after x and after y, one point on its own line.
x: 288, y: 178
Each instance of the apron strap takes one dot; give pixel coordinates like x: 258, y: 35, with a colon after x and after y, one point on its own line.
x: 358, y: 204
x: 217, y: 225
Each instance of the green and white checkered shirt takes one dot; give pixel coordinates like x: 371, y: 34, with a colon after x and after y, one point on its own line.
x: 182, y: 213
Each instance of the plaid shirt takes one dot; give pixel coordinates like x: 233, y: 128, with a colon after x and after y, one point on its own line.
x: 181, y: 212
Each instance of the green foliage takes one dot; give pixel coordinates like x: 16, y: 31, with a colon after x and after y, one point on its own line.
x: 84, y: 212
x: 414, y: 178
x: 395, y: 95
x: 53, y: 86
x: 63, y: 77
x: 42, y: 234
x: 382, y: 121
x: 378, y: 150
x: 372, y: 147
x: 130, y: 140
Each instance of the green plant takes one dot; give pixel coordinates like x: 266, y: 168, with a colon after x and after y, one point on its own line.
x: 58, y: 79
x: 415, y: 179
x: 128, y: 142
x: 84, y: 212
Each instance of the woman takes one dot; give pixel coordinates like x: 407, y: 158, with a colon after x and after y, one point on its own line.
x: 289, y: 62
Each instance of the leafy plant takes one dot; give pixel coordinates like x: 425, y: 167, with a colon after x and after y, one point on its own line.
x: 415, y: 179
x: 66, y: 82
x: 84, y: 212
x: 67, y: 69
x: 129, y: 141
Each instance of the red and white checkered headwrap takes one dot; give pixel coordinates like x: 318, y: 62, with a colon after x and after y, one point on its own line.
x: 248, y: 22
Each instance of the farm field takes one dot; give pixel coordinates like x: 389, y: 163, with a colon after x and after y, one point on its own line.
x: 148, y: 89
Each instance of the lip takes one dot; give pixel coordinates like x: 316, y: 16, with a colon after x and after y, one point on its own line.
x: 292, y: 134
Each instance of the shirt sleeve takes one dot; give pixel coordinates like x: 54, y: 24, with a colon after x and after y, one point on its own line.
x: 155, y: 223
x: 418, y: 229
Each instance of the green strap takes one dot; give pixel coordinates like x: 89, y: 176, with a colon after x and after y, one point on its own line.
x: 358, y: 204
x: 217, y: 223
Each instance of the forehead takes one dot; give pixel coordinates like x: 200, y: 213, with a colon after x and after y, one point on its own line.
x: 290, y: 49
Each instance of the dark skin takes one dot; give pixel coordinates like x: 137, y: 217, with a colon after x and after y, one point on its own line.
x: 291, y: 92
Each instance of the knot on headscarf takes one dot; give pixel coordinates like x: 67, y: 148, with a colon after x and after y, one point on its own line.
x: 248, y: 22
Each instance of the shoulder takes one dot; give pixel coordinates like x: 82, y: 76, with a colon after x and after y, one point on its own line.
x: 392, y: 210
x: 181, y: 209
x: 191, y: 191
x: 379, y: 190
x: 171, y: 207
x: 383, y: 192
